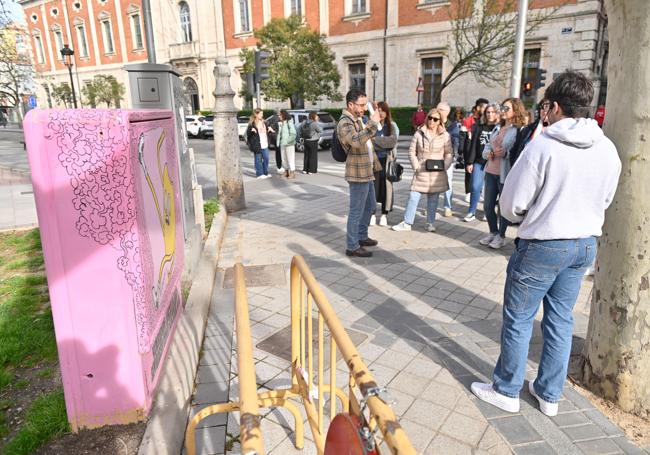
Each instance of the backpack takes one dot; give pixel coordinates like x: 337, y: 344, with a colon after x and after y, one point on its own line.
x: 338, y: 151
x: 305, y: 133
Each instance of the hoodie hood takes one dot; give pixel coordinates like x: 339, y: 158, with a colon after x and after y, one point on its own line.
x: 581, y: 133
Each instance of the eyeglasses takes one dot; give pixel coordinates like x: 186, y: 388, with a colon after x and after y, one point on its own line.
x: 505, y: 108
x: 435, y: 119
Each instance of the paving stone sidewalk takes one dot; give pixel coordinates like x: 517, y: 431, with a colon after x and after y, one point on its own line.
x: 428, y: 304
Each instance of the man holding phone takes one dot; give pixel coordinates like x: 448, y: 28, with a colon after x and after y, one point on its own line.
x: 360, y: 167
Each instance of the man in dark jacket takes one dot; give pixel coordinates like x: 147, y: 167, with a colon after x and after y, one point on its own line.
x: 272, y: 125
x: 530, y: 131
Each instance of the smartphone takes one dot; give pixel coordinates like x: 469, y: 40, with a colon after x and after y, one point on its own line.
x: 370, y: 107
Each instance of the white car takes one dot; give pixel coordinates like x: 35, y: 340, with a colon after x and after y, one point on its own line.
x: 206, y: 129
x: 242, y: 125
x: 193, y: 124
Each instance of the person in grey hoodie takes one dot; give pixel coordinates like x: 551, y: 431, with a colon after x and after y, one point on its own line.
x: 310, y: 132
x: 558, y: 190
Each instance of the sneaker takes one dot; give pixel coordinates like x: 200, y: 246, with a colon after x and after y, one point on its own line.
x: 549, y: 409
x: 368, y: 242
x: 383, y: 221
x: 470, y: 217
x: 487, y: 239
x: 403, y: 226
x: 359, y: 253
x: 497, y: 242
x: 261, y: 177
x: 468, y: 196
x: 429, y: 227
x: 373, y: 220
x: 448, y: 212
x: 268, y: 176
x: 280, y: 170
x: 305, y: 172
x: 485, y: 392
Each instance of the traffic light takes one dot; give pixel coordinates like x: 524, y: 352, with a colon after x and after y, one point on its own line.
x: 540, y: 79
x: 261, y: 65
x: 527, y: 88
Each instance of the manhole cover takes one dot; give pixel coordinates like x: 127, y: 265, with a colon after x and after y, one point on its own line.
x: 257, y: 275
x: 279, y: 344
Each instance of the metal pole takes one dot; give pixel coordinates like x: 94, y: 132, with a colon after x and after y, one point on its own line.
x: 148, y: 30
x: 518, y: 57
x: 74, y: 97
x: 374, y: 82
x: 258, y: 95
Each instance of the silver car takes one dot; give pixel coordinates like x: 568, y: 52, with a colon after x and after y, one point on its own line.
x: 325, y: 120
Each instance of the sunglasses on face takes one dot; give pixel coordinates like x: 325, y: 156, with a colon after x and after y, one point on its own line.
x: 435, y: 119
x: 505, y: 108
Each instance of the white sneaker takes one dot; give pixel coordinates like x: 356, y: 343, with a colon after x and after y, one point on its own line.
x: 383, y: 221
x: 448, y: 212
x: 468, y: 196
x: 487, y: 239
x: 550, y: 409
x: 268, y: 176
x: 261, y: 177
x: 373, y: 220
x: 485, y: 392
x: 280, y: 170
x: 403, y: 226
x: 429, y: 227
x: 470, y: 217
x: 497, y: 242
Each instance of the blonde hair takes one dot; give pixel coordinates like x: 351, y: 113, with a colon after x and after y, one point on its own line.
x: 254, y: 115
x: 441, y: 127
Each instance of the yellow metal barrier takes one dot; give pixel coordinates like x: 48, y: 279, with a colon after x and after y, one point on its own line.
x: 311, y: 388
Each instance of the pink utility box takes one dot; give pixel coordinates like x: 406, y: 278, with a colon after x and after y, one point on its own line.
x: 108, y: 200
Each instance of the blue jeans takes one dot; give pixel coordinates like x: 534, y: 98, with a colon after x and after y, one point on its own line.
x: 362, y: 206
x: 262, y: 163
x: 449, y: 192
x: 412, y: 206
x: 496, y: 222
x: 541, y: 270
x: 478, y: 174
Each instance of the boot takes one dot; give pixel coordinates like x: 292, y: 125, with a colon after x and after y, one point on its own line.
x: 292, y: 175
x: 287, y: 173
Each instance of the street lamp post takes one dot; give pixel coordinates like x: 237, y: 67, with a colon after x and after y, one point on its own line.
x: 68, y: 60
x: 374, y: 69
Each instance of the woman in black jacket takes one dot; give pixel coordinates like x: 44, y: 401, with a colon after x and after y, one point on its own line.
x: 474, y: 162
x: 258, y: 141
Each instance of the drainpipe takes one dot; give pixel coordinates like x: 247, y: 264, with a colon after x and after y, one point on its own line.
x: 384, y: 59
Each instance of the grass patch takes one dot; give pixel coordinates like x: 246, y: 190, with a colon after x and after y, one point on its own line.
x: 46, y: 373
x: 210, y: 208
x: 45, y: 420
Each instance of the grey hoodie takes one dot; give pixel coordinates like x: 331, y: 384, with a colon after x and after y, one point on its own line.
x: 562, y: 183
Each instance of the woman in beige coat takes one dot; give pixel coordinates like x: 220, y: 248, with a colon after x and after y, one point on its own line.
x: 430, y: 142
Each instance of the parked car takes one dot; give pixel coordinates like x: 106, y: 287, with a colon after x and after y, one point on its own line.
x: 193, y: 124
x: 242, y: 125
x: 325, y: 120
x: 206, y: 128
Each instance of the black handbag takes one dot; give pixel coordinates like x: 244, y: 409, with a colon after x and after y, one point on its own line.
x: 434, y: 165
x: 394, y: 171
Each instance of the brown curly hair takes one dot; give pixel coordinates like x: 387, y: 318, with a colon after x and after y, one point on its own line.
x: 519, y: 110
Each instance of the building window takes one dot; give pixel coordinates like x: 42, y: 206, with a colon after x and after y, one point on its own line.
x: 40, y: 53
x: 293, y: 8
x: 81, y: 39
x: 243, y: 18
x: 358, y: 7
x: 186, y: 22
x: 107, y: 34
x: 58, y: 41
x: 136, y: 31
x: 358, y: 76
x: 431, y: 79
x: 529, y: 72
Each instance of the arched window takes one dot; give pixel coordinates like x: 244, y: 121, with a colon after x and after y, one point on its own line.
x: 191, y: 94
x: 186, y: 22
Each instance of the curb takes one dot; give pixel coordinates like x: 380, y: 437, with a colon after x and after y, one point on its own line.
x: 165, y: 431
x: 10, y: 175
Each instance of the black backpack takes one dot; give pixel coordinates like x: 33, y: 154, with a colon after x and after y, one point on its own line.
x: 305, y: 133
x: 338, y: 151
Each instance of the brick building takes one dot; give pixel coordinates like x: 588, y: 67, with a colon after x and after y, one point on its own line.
x: 406, y: 39
x: 104, y: 34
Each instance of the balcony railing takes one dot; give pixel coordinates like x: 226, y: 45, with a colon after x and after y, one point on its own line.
x: 181, y: 51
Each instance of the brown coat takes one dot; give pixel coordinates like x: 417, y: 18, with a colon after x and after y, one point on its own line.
x: 428, y: 146
x: 353, y: 136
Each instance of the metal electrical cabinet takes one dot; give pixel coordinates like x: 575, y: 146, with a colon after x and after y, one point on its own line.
x: 156, y: 86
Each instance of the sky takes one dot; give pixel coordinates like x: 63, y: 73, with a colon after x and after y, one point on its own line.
x: 14, y: 9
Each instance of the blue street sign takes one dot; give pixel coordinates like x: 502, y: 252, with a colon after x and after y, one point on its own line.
x: 32, y: 102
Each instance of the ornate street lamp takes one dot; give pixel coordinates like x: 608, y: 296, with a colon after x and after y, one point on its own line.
x: 68, y: 60
x: 374, y: 69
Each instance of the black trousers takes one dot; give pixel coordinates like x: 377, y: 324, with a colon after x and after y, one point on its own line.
x: 278, y: 157
x: 468, y: 182
x: 310, y: 163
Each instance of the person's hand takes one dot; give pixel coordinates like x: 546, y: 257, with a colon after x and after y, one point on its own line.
x: 469, y: 168
x: 375, y: 115
x: 253, y: 130
x: 271, y: 130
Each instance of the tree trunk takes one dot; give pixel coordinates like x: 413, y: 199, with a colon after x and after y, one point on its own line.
x: 296, y: 101
x: 617, y: 355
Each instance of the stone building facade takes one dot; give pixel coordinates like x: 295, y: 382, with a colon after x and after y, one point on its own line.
x: 406, y: 39
x: 104, y: 34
